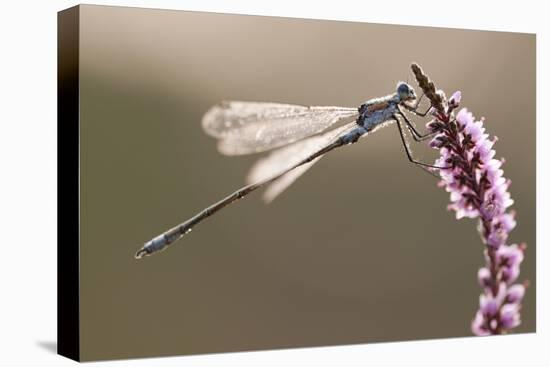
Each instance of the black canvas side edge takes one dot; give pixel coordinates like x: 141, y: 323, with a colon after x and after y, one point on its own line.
x: 68, y: 216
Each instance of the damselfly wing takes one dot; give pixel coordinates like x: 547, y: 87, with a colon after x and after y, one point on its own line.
x: 254, y: 127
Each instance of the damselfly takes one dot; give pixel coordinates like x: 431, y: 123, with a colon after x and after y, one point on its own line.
x: 298, y: 137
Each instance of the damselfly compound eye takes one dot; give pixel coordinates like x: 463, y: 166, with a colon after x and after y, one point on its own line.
x: 403, y: 89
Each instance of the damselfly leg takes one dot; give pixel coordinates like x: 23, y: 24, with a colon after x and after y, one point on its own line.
x: 409, y: 152
x: 414, y: 109
x: 417, y: 136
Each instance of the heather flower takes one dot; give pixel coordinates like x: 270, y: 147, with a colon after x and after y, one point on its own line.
x: 484, y: 277
x: 477, y: 189
x: 515, y: 293
x: 509, y: 316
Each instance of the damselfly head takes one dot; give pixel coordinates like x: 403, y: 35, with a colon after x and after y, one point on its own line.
x: 405, y: 92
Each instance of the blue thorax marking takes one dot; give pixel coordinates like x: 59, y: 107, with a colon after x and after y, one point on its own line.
x: 376, y: 111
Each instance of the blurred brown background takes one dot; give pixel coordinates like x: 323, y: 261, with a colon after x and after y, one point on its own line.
x: 360, y: 249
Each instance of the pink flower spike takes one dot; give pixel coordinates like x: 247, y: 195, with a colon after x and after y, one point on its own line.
x: 478, y: 189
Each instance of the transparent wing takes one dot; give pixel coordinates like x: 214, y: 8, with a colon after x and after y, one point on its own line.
x: 252, y: 127
x: 283, y: 159
x: 277, y: 187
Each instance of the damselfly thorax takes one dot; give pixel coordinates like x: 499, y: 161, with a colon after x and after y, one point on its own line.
x: 376, y: 110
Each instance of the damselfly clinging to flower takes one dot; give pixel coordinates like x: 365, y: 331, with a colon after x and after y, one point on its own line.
x: 297, y: 137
